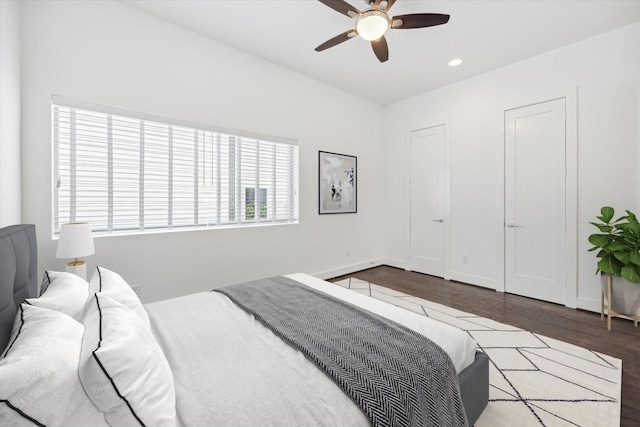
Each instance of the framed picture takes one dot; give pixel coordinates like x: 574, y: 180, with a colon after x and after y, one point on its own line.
x: 338, y: 183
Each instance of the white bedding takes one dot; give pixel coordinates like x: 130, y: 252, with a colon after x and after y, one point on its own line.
x: 230, y: 370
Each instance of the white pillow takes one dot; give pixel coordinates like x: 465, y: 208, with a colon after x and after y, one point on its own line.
x: 64, y: 292
x: 114, y: 286
x: 122, y: 367
x: 39, y: 373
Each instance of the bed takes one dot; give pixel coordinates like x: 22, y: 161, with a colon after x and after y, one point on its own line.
x: 200, y: 359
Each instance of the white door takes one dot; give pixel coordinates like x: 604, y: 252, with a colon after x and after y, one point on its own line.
x: 427, y: 200
x: 535, y: 201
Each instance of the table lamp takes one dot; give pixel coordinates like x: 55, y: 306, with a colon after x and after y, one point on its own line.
x: 75, y: 241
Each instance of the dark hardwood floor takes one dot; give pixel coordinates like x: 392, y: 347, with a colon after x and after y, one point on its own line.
x: 578, y: 327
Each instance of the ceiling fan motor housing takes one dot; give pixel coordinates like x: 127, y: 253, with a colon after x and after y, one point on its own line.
x: 372, y: 3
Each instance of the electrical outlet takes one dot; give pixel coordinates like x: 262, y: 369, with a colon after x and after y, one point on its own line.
x: 465, y: 259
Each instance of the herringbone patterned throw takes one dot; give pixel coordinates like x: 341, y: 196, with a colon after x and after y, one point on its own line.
x: 395, y: 375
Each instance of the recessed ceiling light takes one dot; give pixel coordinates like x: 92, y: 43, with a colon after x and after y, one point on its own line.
x: 455, y: 62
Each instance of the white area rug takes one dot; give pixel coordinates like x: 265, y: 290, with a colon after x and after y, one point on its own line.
x: 534, y: 380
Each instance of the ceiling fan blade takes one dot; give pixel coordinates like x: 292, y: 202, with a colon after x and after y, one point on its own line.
x: 418, y: 20
x: 336, y: 40
x: 381, y: 49
x: 342, y: 7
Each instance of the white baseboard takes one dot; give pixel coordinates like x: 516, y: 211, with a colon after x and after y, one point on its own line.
x: 348, y: 269
x: 594, y: 305
x: 588, y: 304
x: 352, y: 268
x: 397, y: 263
x: 471, y: 279
x: 393, y: 262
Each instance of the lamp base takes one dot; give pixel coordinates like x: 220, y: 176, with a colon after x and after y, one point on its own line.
x: 79, y: 268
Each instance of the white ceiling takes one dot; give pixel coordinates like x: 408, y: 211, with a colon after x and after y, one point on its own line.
x: 486, y: 34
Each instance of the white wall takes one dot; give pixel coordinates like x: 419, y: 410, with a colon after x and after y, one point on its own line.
x: 605, y: 70
x: 108, y: 53
x: 10, y: 189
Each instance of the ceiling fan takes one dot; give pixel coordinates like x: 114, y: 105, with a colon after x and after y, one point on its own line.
x: 373, y: 22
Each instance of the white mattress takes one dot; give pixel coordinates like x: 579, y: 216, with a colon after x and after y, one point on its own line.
x: 231, y: 370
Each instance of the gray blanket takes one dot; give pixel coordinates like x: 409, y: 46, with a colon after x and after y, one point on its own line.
x: 395, y: 375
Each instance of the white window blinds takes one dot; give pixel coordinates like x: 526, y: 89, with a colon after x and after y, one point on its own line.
x: 129, y: 172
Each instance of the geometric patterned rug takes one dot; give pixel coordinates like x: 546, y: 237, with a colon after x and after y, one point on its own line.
x: 533, y: 380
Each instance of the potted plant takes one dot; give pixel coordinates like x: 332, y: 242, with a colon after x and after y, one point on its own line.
x: 618, y: 245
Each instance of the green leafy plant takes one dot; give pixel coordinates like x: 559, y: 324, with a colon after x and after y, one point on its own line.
x: 618, y: 243
x: 250, y: 211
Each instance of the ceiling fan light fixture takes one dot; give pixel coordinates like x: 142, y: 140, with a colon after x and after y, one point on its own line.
x: 372, y: 24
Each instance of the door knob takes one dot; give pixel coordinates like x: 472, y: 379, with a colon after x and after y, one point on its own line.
x: 510, y: 225
x: 438, y: 220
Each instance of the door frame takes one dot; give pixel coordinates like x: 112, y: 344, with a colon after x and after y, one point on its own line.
x: 447, y: 192
x: 571, y: 190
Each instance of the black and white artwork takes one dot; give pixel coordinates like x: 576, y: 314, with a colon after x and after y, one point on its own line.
x: 338, y: 183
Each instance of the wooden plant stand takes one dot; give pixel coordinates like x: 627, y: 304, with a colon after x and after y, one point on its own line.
x: 611, y: 312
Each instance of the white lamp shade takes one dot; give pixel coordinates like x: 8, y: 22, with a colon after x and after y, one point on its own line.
x: 372, y: 25
x: 75, y: 240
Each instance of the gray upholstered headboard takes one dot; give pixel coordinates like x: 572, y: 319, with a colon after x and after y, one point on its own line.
x: 18, y: 273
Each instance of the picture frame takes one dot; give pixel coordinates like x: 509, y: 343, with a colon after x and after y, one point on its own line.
x: 338, y: 183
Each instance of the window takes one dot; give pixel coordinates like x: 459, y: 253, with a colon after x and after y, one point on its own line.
x: 126, y: 172
x: 250, y: 202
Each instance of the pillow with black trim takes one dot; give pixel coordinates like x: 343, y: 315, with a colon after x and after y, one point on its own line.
x: 122, y: 367
x: 64, y: 292
x: 114, y: 286
x: 39, y: 382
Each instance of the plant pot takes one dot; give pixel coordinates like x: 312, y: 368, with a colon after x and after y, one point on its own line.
x: 625, y: 296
